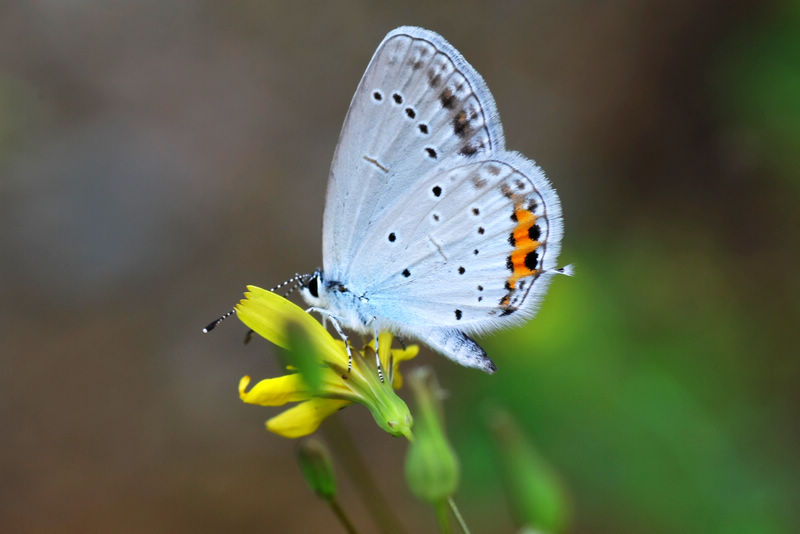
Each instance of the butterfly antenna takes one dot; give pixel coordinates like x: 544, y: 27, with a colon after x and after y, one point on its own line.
x: 213, y: 324
x: 291, y: 280
x: 298, y: 284
x: 297, y: 280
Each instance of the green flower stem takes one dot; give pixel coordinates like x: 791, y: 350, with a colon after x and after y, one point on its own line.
x: 443, y: 517
x: 459, y: 517
x: 342, y: 516
x: 347, y: 451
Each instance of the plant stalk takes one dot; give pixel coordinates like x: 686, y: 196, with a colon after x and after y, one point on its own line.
x: 459, y: 517
x: 342, y: 517
x: 376, y: 504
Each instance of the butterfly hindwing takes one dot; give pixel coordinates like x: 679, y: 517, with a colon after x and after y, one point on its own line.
x: 471, y: 245
x: 418, y: 104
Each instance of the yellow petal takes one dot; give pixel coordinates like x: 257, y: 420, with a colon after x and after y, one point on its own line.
x: 305, y: 418
x: 402, y: 355
x: 384, y: 347
x: 273, y: 391
x: 269, y: 314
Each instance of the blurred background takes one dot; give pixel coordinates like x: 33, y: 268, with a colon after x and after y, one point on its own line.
x: 156, y: 157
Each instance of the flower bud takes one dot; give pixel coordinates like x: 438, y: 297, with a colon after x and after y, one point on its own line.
x: 432, y: 469
x: 315, y: 463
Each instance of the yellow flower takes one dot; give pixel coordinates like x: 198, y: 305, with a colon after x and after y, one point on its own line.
x: 331, y: 387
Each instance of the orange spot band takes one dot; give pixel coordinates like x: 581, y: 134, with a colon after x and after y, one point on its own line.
x: 523, y: 245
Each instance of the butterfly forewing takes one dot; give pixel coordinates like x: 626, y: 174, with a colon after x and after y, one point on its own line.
x: 418, y: 104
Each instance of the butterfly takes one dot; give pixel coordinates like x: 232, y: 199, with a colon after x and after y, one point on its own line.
x: 432, y: 229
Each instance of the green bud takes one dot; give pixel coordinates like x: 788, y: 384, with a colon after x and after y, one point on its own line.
x: 431, y: 464
x: 535, y: 493
x: 315, y: 463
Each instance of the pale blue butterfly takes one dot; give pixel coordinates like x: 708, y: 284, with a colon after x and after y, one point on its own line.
x: 432, y: 230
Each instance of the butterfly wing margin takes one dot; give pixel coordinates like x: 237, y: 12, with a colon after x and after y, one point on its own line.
x: 419, y: 102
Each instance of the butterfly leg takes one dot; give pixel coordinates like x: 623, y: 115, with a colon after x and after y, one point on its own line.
x: 336, y: 326
x: 378, y: 358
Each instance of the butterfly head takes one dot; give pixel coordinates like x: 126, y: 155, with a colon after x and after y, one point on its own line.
x: 313, y: 290
x: 338, y: 301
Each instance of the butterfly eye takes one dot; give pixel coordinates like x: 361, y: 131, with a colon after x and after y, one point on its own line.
x: 313, y: 288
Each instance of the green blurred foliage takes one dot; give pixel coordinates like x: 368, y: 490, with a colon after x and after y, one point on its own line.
x: 302, y: 356
x: 533, y: 489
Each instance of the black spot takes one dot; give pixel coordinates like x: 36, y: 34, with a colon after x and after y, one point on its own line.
x: 480, y: 288
x: 397, y: 98
x: 437, y: 191
x: 411, y: 113
x: 476, y: 211
x: 392, y: 237
x: 508, y: 286
x: 461, y: 270
x: 431, y: 153
x: 508, y: 311
x: 520, y: 185
x: 475, y: 251
x: 468, y: 150
x: 423, y: 128
x: 377, y: 96
x: 481, y: 230
x: 434, y: 78
x: 514, y: 216
x: 534, y: 232
x: 480, y: 299
x: 436, y: 217
x: 406, y: 273
x: 511, y: 240
x: 416, y: 65
x: 313, y: 286
x: 447, y: 98
x: 510, y: 264
x: 458, y: 315
x: 532, y: 206
x: 531, y: 260
x: 460, y: 124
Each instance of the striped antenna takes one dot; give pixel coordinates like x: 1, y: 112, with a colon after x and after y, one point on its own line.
x: 298, y: 280
x: 213, y: 324
x: 292, y: 280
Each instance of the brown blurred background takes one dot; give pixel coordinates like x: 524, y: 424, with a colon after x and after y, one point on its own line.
x: 156, y: 157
